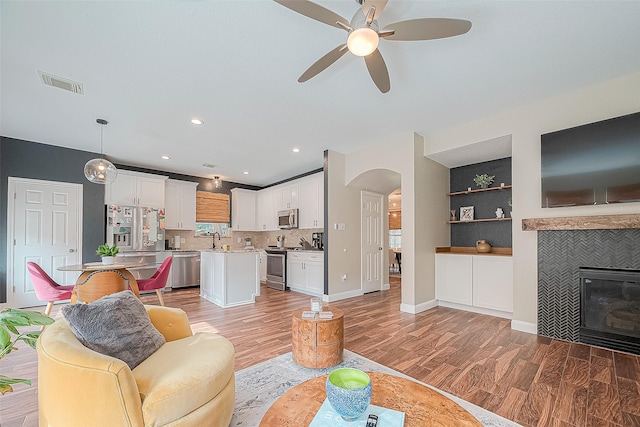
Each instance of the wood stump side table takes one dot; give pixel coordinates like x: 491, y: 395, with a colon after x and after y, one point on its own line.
x: 317, y: 343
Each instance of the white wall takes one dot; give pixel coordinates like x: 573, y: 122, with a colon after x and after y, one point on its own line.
x: 343, y: 247
x: 525, y: 125
x: 425, y: 209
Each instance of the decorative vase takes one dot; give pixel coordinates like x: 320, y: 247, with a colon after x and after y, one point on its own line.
x: 483, y: 247
x: 349, y: 392
x: 107, y: 260
x: 484, y: 185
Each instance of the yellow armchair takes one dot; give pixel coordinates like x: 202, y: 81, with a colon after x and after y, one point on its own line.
x: 189, y: 381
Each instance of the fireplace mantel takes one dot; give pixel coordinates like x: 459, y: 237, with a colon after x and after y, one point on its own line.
x: 596, y: 222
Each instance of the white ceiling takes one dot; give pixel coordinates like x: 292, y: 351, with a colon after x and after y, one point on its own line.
x: 149, y: 67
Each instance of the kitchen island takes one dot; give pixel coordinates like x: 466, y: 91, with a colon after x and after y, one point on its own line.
x: 229, y: 278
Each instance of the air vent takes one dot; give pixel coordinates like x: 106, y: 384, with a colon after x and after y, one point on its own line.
x: 61, y: 83
x: 209, y: 165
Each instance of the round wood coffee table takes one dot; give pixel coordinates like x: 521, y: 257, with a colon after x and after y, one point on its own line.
x: 317, y: 343
x: 421, y: 405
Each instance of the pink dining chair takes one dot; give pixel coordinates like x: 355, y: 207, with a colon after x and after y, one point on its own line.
x: 158, y: 281
x: 46, y: 288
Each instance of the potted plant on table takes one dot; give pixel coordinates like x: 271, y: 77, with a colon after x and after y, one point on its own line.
x: 10, y: 320
x: 107, y: 253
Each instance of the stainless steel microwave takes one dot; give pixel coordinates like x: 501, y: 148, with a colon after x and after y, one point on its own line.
x: 288, y: 219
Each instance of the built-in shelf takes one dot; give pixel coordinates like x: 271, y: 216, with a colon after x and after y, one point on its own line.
x: 479, y: 220
x: 472, y: 250
x: 480, y: 190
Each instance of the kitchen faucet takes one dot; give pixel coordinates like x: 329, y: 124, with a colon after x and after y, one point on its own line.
x: 214, y: 239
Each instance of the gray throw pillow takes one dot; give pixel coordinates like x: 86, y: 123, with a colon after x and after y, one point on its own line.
x: 116, y: 325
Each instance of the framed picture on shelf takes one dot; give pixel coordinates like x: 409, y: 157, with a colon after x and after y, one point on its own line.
x: 466, y: 213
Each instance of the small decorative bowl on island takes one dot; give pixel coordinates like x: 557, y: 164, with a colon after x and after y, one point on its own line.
x: 349, y: 392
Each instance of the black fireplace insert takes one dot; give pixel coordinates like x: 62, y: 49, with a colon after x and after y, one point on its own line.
x: 610, y: 308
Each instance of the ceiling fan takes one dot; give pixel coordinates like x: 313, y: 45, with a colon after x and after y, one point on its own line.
x: 364, y: 35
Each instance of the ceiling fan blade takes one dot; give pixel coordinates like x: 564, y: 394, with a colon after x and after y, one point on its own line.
x: 322, y: 63
x: 314, y: 11
x: 379, y: 4
x: 427, y: 29
x: 378, y: 71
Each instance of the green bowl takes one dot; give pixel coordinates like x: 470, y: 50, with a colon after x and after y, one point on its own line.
x: 349, y: 392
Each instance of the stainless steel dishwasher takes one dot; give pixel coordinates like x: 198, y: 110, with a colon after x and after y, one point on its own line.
x: 185, y: 269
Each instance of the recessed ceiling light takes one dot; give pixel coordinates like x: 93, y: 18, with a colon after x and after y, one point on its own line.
x: 246, y: 172
x: 165, y: 157
x: 197, y: 122
x: 295, y: 150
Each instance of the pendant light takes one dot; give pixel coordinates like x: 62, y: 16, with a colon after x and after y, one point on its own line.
x: 99, y: 170
x: 217, y: 182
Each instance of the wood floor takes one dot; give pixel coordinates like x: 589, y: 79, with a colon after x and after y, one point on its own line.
x: 535, y: 381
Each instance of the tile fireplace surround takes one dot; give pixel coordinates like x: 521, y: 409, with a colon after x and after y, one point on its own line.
x: 565, y: 245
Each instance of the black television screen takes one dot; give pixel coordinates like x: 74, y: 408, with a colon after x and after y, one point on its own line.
x: 592, y: 164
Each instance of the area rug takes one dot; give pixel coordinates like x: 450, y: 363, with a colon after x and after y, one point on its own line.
x: 258, y: 386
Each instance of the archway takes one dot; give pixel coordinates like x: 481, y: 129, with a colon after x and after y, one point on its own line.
x: 383, y: 182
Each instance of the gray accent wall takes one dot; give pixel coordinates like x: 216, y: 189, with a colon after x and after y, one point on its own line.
x: 496, y: 233
x: 24, y: 159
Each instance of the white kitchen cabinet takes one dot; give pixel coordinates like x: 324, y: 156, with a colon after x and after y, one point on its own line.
x: 482, y: 283
x: 180, y: 205
x: 454, y: 275
x: 136, y: 189
x: 285, y: 196
x: 229, y: 279
x: 296, y: 277
x: 243, y: 209
x: 493, y: 282
x: 314, y: 268
x: 266, y: 218
x: 311, y: 201
x: 305, y: 272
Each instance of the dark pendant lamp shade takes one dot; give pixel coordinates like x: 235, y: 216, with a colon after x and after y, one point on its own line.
x: 99, y: 170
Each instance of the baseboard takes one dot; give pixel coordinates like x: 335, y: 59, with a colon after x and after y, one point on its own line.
x: 343, y: 295
x: 480, y: 310
x: 519, y: 325
x: 306, y: 292
x: 386, y: 286
x: 419, y: 308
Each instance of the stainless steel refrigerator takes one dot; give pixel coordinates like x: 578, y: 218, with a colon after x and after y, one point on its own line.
x: 135, y: 228
x: 139, y: 234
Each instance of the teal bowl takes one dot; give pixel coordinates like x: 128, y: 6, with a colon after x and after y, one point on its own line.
x: 349, y: 392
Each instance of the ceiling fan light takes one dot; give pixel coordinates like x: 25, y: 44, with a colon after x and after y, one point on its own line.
x: 362, y: 41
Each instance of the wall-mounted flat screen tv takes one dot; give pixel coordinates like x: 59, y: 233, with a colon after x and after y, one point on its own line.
x: 592, y: 164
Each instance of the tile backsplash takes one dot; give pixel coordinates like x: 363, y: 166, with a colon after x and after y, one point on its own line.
x: 259, y: 239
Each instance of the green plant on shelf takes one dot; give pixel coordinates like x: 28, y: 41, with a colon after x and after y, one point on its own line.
x: 483, y: 180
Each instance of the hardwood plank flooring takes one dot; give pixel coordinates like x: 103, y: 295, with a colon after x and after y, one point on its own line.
x: 533, y: 380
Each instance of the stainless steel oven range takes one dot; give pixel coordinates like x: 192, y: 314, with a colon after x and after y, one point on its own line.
x: 277, y: 268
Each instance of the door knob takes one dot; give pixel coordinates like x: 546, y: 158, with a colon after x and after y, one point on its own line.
x: 72, y: 250
x: 380, y: 248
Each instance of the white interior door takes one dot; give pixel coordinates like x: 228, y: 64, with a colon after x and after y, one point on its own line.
x: 371, y: 242
x: 45, y: 226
